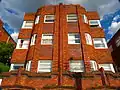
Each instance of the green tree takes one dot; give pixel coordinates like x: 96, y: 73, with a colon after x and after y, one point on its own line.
x: 6, y: 50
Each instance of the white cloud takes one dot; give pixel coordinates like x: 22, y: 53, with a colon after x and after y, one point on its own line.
x: 114, y: 26
x: 116, y: 17
x: 15, y: 36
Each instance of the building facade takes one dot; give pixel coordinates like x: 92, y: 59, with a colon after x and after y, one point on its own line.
x: 114, y: 47
x: 4, y: 36
x: 61, y: 47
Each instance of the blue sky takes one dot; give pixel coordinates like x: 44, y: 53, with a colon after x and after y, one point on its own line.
x: 12, y: 12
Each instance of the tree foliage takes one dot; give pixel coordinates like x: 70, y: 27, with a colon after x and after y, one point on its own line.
x: 6, y: 50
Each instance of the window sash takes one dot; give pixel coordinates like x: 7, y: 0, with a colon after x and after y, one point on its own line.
x: 44, y: 66
x: 49, y: 18
x: 93, y: 65
x: 76, y: 66
x: 28, y: 65
x: 47, y: 39
x: 88, y: 39
x: 72, y: 18
x: 33, y: 39
x: 73, y: 38
x: 37, y: 19
x: 15, y: 66
x: 107, y: 67
x: 28, y: 24
x: 22, y: 45
x: 94, y: 23
x: 100, y: 43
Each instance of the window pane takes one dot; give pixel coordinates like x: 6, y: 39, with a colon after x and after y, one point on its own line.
x: 73, y: 38
x: 76, y: 66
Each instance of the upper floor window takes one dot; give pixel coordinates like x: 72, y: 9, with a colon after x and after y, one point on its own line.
x: 85, y: 19
x: 73, y: 38
x: 94, y: 23
x: 47, y: 39
x: 37, y: 19
x: 88, y: 39
x: 44, y: 66
x: 49, y: 18
x: 72, y: 18
x: 28, y: 24
x: 93, y: 65
x: 22, y: 44
x: 118, y: 42
x: 16, y: 66
x: 107, y: 67
x: 100, y: 43
x: 76, y: 66
x: 33, y: 39
x: 28, y: 65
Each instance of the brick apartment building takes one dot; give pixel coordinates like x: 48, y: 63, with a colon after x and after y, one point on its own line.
x: 4, y: 36
x: 114, y: 47
x: 61, y: 47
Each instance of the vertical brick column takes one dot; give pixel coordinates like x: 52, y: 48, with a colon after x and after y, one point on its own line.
x: 83, y: 41
x: 34, y: 65
x: 56, y: 40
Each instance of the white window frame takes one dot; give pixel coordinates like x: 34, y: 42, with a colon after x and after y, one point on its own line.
x: 12, y: 66
x: 99, y: 42
x: 93, y: 65
x: 95, y: 24
x: 76, y: 66
x: 24, y: 45
x: 33, y: 39
x: 28, y: 65
x: 53, y: 18
x: 88, y: 39
x: 117, y: 41
x: 72, y: 18
x: 72, y: 38
x: 48, y: 37
x: 110, y: 68
x: 44, y: 66
x: 37, y: 19
x: 25, y: 23
x: 85, y: 18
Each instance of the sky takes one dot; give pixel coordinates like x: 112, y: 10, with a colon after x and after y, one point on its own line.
x: 12, y: 13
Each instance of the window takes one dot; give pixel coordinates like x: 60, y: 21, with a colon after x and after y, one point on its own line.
x: 76, y: 66
x: 72, y: 18
x: 37, y: 20
x: 107, y: 67
x: 28, y: 65
x: 118, y: 42
x: 49, y: 18
x: 22, y: 44
x: 16, y: 66
x: 85, y: 19
x: 94, y: 23
x: 28, y: 24
x: 33, y: 39
x: 73, y: 38
x: 99, y: 43
x: 93, y: 65
x: 44, y: 66
x: 47, y: 39
x: 88, y: 39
